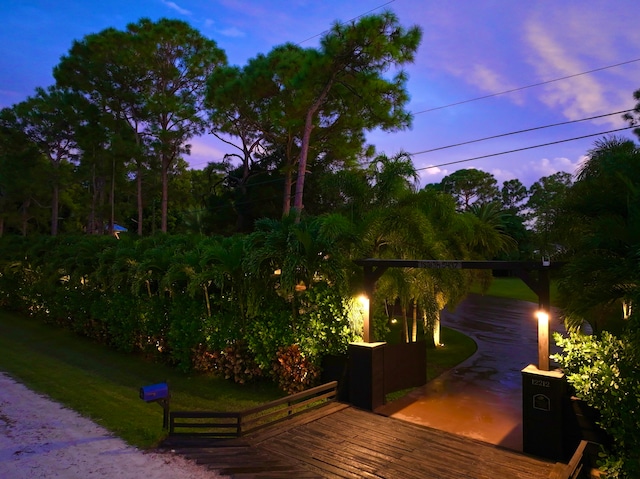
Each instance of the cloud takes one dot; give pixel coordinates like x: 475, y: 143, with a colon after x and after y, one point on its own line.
x: 203, y: 151
x: 176, y: 7
x: 558, y: 47
x: 548, y: 167
x: 232, y: 32
x: 578, y: 96
x: 502, y: 175
x: 491, y: 81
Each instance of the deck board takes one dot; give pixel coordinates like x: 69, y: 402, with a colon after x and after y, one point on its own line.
x: 344, y: 442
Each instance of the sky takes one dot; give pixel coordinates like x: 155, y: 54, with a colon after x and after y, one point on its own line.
x: 484, y: 69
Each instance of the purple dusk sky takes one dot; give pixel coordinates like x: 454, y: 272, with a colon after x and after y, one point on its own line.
x: 471, y: 50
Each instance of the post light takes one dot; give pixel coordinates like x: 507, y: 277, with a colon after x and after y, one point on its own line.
x: 543, y: 340
x: 367, y: 335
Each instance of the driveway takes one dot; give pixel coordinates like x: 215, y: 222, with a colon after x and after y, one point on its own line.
x: 482, y: 397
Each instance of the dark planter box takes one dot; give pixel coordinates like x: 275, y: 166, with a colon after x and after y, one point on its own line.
x: 336, y: 368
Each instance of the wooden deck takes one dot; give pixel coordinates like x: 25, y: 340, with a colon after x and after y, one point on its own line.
x: 338, y: 441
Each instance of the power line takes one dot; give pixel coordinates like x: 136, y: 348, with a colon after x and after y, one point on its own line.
x: 521, y: 149
x: 525, y: 87
x: 521, y: 131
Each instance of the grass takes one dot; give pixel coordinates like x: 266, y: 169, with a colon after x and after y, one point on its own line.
x: 457, y: 348
x: 514, y: 288
x: 103, y: 384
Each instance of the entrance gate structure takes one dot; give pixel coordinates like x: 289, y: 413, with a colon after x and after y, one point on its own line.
x: 538, y: 283
x: 543, y: 391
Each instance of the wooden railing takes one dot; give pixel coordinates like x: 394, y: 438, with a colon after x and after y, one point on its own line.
x: 235, y: 424
x: 579, y: 466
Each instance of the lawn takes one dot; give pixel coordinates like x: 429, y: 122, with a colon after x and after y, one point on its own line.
x: 456, y: 348
x: 104, y: 385
x: 515, y: 288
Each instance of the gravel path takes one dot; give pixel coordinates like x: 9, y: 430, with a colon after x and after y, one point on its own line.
x: 40, y: 438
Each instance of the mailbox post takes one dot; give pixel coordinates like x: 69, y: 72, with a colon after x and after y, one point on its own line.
x: 543, y: 409
x: 158, y: 393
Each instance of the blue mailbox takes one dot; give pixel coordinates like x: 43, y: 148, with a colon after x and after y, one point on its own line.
x: 154, y: 392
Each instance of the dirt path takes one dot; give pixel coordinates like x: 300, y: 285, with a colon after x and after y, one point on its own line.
x: 39, y: 438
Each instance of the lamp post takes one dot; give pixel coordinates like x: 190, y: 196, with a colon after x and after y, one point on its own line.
x: 367, y: 332
x: 543, y: 340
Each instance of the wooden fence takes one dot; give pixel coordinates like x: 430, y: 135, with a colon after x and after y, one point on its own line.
x: 235, y: 424
x: 580, y: 465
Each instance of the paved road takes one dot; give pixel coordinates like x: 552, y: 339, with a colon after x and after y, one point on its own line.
x: 482, y: 397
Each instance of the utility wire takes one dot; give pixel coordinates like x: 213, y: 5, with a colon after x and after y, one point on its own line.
x: 520, y: 131
x: 521, y: 149
x: 525, y: 87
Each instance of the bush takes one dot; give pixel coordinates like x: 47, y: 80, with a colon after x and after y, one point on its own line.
x: 234, y: 362
x: 605, y: 373
x: 292, y: 371
x: 328, y: 323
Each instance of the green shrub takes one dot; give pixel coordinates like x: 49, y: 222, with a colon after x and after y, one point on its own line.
x: 186, y: 329
x: 268, y: 332
x: 605, y: 373
x: 328, y: 324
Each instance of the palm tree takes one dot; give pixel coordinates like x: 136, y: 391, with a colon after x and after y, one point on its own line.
x: 296, y: 255
x: 393, y: 178
x: 601, y: 227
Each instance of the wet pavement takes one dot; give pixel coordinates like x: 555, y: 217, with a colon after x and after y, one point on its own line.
x: 482, y: 397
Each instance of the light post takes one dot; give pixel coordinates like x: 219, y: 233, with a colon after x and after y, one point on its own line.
x: 367, y: 332
x: 543, y: 340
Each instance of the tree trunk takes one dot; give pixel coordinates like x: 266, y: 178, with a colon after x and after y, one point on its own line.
x: 24, y: 213
x: 55, y: 199
x: 139, y: 188
x: 436, y: 330
x: 405, y: 324
x: 304, y: 148
x: 206, y: 299
x: 286, y: 197
x: 164, y: 203
x: 112, y: 197
x: 414, y: 327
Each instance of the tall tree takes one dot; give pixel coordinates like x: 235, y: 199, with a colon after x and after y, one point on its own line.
x: 513, y: 195
x: 543, y: 209
x: 348, y: 75
x: 23, y: 172
x: 105, y: 68
x: 50, y: 119
x: 470, y: 186
x: 179, y: 60
x: 316, y: 104
x: 152, y: 76
x: 259, y: 106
